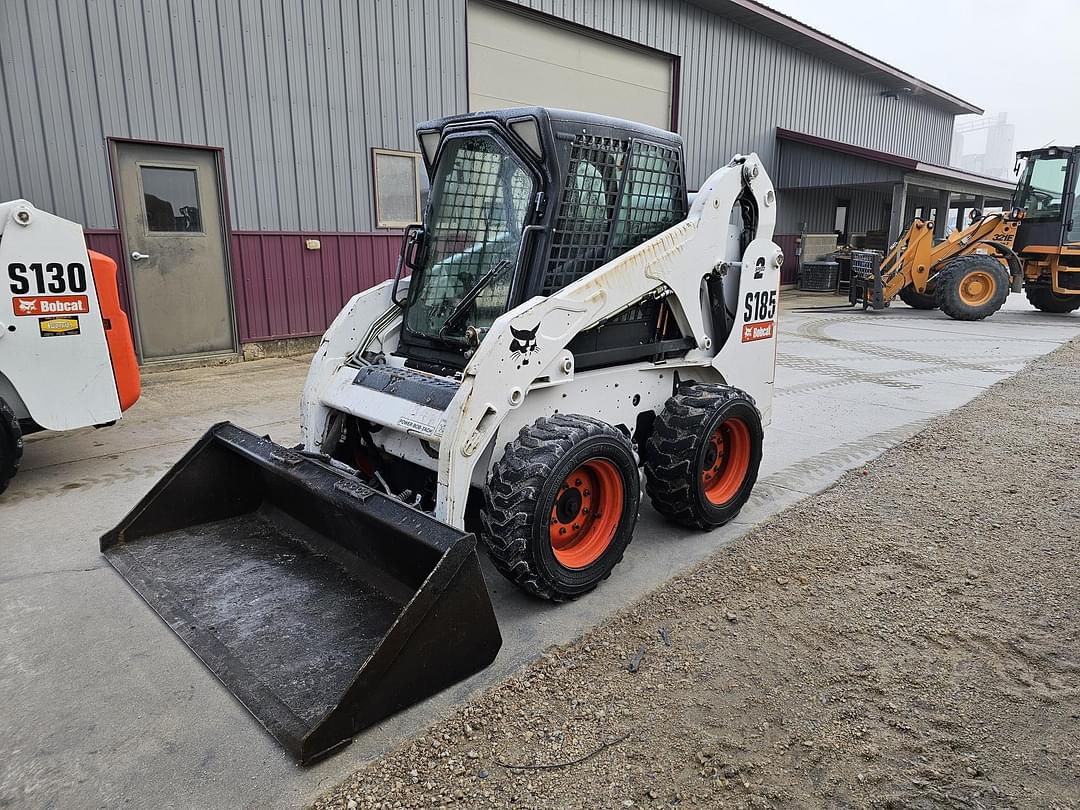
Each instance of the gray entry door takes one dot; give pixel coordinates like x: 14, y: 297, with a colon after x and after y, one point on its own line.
x: 171, y: 217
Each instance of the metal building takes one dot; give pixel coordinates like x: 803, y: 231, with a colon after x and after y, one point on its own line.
x: 250, y: 164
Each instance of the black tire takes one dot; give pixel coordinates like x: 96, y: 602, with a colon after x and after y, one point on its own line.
x: 918, y: 300
x: 955, y: 298
x: 1043, y: 297
x: 528, y: 487
x: 681, y: 452
x: 11, y: 445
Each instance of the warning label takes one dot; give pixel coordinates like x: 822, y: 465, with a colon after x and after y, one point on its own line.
x: 762, y: 330
x: 53, y: 327
x: 51, y: 305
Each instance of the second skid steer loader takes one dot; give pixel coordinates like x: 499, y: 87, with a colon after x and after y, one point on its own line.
x: 66, y: 354
x: 564, y: 317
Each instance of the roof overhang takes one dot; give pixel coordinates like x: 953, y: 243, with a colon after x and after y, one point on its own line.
x: 910, y: 171
x: 790, y: 31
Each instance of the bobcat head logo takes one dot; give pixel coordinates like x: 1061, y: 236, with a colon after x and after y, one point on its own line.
x: 27, y: 304
x: 523, y: 344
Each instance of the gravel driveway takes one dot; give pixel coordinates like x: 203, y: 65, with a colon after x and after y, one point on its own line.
x: 908, y: 638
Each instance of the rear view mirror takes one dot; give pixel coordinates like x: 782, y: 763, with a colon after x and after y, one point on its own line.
x: 412, y: 245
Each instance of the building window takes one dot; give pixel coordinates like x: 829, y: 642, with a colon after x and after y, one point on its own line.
x: 397, y: 187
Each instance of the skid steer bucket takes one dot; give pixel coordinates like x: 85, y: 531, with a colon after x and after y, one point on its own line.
x: 321, y: 604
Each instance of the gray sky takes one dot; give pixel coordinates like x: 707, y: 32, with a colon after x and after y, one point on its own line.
x: 1018, y: 57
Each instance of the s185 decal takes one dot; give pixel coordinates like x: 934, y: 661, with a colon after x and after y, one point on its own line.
x: 759, y: 306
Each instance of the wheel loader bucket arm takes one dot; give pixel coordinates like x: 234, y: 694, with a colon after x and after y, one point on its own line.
x: 909, y: 260
x: 915, y: 259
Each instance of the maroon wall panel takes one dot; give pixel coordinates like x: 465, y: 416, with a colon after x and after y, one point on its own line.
x: 108, y: 242
x: 285, y: 290
x: 282, y: 289
x: 789, y: 270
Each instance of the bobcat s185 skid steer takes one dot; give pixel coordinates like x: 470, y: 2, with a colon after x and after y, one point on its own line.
x: 66, y: 356
x: 564, y: 317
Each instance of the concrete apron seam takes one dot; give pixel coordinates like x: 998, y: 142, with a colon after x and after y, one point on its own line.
x: 49, y: 573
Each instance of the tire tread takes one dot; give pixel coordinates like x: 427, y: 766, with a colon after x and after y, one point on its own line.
x: 512, y: 493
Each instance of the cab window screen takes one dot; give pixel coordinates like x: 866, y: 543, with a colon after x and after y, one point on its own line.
x: 618, y: 194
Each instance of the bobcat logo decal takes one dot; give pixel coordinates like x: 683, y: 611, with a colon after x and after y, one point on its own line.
x: 28, y: 304
x: 523, y: 344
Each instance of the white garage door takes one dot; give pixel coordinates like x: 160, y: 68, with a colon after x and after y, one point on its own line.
x: 518, y: 59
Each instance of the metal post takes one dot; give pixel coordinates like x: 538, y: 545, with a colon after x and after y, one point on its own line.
x: 944, y: 199
x: 899, y: 206
x: 960, y: 224
x: 980, y: 202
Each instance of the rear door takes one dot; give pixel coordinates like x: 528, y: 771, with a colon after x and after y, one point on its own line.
x: 174, y: 232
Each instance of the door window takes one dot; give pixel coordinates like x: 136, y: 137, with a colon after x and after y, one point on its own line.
x: 171, y: 197
x: 480, y: 198
x: 1042, y: 189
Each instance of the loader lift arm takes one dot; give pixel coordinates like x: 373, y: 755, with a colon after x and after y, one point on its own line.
x: 496, y: 382
x: 976, y: 268
x: 915, y: 259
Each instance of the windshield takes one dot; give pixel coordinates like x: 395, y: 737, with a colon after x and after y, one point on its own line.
x: 1042, y: 188
x: 479, y: 201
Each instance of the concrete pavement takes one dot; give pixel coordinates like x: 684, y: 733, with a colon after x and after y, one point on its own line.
x: 102, y: 706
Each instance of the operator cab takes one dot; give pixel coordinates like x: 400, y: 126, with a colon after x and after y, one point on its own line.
x: 1046, y: 198
x: 523, y: 202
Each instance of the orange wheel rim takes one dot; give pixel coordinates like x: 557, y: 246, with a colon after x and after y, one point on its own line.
x: 727, y: 459
x: 586, y: 513
x: 976, y: 288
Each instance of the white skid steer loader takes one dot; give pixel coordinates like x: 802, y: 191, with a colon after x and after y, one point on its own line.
x: 66, y: 355
x: 564, y: 317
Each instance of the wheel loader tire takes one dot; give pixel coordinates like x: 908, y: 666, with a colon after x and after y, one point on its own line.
x: 561, y: 504
x: 971, y: 288
x: 11, y: 445
x: 1043, y: 298
x: 702, y: 459
x: 918, y: 300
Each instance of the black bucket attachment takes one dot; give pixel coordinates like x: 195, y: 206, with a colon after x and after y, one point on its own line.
x: 321, y: 604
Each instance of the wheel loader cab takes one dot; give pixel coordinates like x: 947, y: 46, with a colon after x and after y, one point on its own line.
x: 522, y: 203
x: 1046, y: 198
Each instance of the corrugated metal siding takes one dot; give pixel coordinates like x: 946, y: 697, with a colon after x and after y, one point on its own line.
x: 280, y: 288
x: 816, y: 207
x: 738, y: 87
x: 296, y: 92
x: 283, y: 290
x: 108, y: 242
x: 804, y: 166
